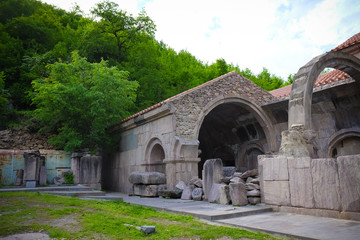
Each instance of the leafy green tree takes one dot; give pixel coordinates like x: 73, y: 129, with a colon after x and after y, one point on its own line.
x: 126, y: 29
x: 290, y: 79
x: 80, y: 100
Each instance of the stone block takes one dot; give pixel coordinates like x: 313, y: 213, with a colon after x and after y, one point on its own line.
x: 213, y: 173
x: 152, y: 178
x: 59, y: 180
x: 326, y: 183
x: 148, y: 229
x: 238, y: 194
x: 42, y: 178
x: 300, y: 180
x: 214, y: 194
x: 229, y: 171
x: 252, y: 186
x: 187, y: 192
x: 237, y: 180
x: 253, y: 193
x: 224, y: 195
x: 31, y: 165
x: 275, y: 169
x: 355, y: 216
x: 75, y: 166
x: 19, y: 177
x: 249, y: 173
x: 349, y: 175
x: 255, y: 181
x: 254, y: 200
x: 90, y: 170
x: 147, y: 190
x: 276, y: 192
x: 30, y: 184
x: 170, y: 193
x: 181, y: 185
x: 197, y: 194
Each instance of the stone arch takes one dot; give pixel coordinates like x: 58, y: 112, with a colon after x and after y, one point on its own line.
x: 262, y: 117
x: 245, y: 157
x: 154, y: 156
x: 302, y: 88
x: 228, y: 124
x: 349, y: 136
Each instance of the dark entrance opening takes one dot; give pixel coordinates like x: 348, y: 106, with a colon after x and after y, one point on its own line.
x: 229, y: 132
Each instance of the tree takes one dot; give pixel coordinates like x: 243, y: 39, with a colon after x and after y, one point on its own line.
x: 125, y: 28
x: 80, y: 100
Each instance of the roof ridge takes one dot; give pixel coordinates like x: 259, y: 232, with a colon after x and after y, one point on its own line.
x: 157, y: 105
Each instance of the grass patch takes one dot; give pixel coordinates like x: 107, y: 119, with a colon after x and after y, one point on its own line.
x: 25, y: 212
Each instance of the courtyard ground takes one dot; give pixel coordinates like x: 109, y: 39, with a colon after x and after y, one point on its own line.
x: 43, y: 216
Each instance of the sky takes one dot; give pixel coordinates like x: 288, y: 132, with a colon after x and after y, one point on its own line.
x: 280, y: 35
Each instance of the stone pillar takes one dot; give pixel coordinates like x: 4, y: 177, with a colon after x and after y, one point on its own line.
x: 90, y: 171
x: 31, y: 168
x: 180, y: 170
x: 75, y: 166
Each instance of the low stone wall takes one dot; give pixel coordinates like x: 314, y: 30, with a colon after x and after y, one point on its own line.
x: 12, y: 161
x: 325, y: 187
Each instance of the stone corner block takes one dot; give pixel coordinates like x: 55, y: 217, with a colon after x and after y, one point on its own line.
x: 147, y: 178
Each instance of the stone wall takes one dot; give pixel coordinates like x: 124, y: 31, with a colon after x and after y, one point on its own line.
x: 328, y: 187
x: 12, y: 161
x: 23, y: 139
x: 131, y: 155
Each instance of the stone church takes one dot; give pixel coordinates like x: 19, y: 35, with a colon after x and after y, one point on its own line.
x: 304, y: 138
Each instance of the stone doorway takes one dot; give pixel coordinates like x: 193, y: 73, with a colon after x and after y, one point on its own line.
x: 233, y: 133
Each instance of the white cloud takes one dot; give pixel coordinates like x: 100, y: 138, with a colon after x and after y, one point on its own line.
x: 281, y: 35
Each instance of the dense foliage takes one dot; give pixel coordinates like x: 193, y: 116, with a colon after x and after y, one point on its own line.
x: 37, y: 41
x: 80, y: 100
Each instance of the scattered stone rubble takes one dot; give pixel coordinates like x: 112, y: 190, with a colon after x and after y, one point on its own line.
x: 220, y: 185
x: 23, y: 139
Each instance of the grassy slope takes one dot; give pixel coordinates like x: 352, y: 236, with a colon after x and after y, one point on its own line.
x: 73, y: 218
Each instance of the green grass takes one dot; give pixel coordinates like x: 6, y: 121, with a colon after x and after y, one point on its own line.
x: 73, y: 218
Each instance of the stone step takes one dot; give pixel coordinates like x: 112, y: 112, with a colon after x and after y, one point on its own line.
x: 46, y: 189
x: 105, y: 197
x: 77, y: 193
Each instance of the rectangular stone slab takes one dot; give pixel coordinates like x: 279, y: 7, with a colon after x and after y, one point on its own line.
x: 276, y: 192
x: 301, y: 189
x: 275, y: 169
x: 326, y: 183
x: 349, y: 174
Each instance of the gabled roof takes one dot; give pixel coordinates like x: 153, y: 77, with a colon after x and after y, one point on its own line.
x: 176, y: 96
x: 323, y: 79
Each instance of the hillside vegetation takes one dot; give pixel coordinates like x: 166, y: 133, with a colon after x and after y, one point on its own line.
x: 74, y: 76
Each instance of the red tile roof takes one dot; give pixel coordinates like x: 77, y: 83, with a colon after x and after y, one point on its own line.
x: 333, y: 76
x: 326, y: 78
x: 351, y: 41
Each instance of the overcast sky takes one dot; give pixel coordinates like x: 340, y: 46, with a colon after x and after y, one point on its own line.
x: 281, y: 35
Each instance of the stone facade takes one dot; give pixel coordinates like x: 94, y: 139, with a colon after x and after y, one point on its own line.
x: 306, y: 146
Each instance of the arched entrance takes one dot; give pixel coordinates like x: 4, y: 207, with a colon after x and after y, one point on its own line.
x: 235, y: 130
